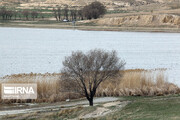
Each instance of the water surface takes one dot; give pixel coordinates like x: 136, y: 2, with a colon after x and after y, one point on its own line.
x: 25, y: 50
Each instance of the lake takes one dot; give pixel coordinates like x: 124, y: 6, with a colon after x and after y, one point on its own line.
x: 25, y: 50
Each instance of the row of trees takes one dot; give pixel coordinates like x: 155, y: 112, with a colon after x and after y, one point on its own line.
x: 67, y: 14
x: 91, y: 11
x: 9, y: 14
x: 6, y: 14
x: 27, y: 14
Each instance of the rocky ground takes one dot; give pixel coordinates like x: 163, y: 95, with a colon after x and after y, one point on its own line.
x: 156, y: 20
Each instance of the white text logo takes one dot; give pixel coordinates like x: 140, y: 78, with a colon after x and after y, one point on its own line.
x: 19, y: 91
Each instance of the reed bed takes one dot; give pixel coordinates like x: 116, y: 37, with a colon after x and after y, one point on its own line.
x: 136, y: 82
x: 139, y: 83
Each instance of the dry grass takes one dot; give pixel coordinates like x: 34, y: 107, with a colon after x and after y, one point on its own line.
x: 70, y: 111
x: 48, y: 87
x: 134, y: 82
x: 140, y: 83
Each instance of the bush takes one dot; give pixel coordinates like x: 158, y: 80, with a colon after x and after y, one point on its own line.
x: 94, y: 10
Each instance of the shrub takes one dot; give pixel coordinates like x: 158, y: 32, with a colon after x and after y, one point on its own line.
x: 94, y: 10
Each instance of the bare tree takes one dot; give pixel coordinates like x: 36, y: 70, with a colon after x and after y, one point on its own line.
x: 34, y: 14
x: 89, y: 69
x: 66, y: 12
x: 15, y: 14
x: 10, y: 14
x: 75, y: 14
x: 26, y: 14
x: 55, y: 14
x: 72, y: 14
x: 20, y: 16
x: 3, y: 13
x: 80, y: 14
x: 42, y: 16
x: 59, y: 13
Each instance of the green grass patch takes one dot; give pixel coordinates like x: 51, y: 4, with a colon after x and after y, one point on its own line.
x: 148, y: 108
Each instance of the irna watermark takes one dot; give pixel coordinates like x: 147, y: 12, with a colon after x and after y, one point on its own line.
x: 19, y: 91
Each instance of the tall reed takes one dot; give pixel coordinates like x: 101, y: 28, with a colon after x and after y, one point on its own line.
x: 133, y: 82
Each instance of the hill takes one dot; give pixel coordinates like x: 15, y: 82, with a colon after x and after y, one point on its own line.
x: 111, y: 4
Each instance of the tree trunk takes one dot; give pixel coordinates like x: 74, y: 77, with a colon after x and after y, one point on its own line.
x: 91, y: 102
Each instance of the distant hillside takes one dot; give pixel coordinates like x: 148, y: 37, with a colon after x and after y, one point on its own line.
x: 109, y: 3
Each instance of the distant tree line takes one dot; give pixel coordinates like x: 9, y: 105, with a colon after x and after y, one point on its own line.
x: 91, y: 11
x: 6, y: 14
x: 67, y: 14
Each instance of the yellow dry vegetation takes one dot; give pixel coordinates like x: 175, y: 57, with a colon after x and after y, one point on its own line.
x: 157, y: 20
x: 138, y: 82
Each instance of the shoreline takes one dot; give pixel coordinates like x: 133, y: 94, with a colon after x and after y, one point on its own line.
x: 94, y: 28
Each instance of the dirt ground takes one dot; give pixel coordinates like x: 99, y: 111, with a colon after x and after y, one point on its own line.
x: 21, y: 111
x: 93, y: 28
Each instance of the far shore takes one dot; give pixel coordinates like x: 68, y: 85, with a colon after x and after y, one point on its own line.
x: 92, y: 28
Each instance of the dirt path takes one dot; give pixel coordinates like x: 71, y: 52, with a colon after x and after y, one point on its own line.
x: 105, y: 109
x: 57, y: 106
